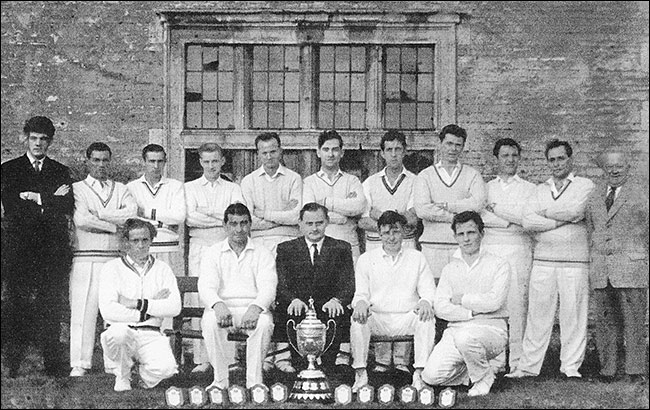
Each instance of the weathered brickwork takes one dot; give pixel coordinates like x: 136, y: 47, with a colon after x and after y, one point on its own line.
x: 527, y: 70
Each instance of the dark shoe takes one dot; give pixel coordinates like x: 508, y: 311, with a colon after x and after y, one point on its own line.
x: 636, y: 378
x: 603, y: 378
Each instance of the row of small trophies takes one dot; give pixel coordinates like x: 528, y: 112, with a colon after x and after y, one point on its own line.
x: 279, y: 393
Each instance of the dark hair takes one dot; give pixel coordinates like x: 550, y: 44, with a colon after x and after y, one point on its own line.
x: 393, y: 135
x: 132, y: 224
x: 329, y: 135
x: 267, y: 136
x: 390, y: 218
x: 416, y: 162
x: 41, y: 125
x: 453, y: 129
x: 210, y: 147
x: 98, y: 146
x: 152, y: 148
x: 508, y: 142
x: 314, y: 207
x: 557, y: 143
x: 236, y: 209
x: 467, y: 216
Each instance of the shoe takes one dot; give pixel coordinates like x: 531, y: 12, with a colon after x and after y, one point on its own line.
x: 482, y: 387
x: 285, y: 366
x: 519, y: 374
x: 417, y: 380
x: 342, y: 359
x: 201, y: 368
x: 636, y: 378
x: 380, y: 368
x: 403, y: 368
x: 573, y: 375
x: 78, y: 372
x: 360, y: 379
x: 122, y: 384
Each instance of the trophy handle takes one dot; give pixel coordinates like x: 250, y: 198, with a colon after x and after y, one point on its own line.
x: 333, y: 334
x: 293, y: 326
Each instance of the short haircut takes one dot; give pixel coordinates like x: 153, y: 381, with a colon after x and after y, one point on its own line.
x: 267, y: 136
x: 453, y: 129
x: 314, y: 207
x: 210, y: 147
x: 467, y: 216
x: 393, y: 135
x: 152, y: 148
x: 508, y: 142
x: 132, y: 224
x: 98, y: 146
x: 329, y: 135
x: 41, y: 125
x: 390, y: 218
x: 238, y: 209
x: 557, y: 143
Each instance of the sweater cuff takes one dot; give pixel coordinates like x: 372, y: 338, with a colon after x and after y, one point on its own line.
x: 143, y: 305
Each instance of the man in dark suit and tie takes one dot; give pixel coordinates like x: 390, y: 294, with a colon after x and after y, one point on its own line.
x: 617, y: 218
x: 318, y: 267
x: 37, y: 199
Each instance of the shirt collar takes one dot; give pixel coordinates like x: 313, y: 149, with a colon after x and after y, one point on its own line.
x: 95, y: 182
x: 323, y: 175
x: 569, y: 177
x: 513, y: 179
x: 459, y: 255
x: 139, y: 267
x: 382, y: 173
x: 225, y: 246
x: 33, y: 158
x: 439, y: 166
x: 280, y: 171
x: 319, y: 244
x: 163, y: 180
x: 385, y: 254
x: 204, y: 181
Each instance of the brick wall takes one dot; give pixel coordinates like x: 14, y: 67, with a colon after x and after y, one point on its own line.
x: 527, y: 70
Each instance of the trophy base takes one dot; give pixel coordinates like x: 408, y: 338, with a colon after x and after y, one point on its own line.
x: 311, y: 386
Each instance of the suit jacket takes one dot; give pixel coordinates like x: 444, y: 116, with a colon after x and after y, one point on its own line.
x: 332, y: 276
x: 619, y: 238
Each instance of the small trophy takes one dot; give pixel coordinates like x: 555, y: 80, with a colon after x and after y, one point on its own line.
x: 236, y: 395
x: 174, y: 397
x: 216, y: 395
x: 366, y: 394
x: 386, y: 394
x: 427, y: 396
x: 343, y: 394
x: 408, y: 394
x: 279, y: 393
x: 447, y: 397
x: 259, y: 394
x: 197, y: 396
x: 311, y: 385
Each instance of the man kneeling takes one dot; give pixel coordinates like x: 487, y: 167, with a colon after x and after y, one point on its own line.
x: 393, y: 297
x: 136, y: 292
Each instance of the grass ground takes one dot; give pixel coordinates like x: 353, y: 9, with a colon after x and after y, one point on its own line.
x: 549, y: 390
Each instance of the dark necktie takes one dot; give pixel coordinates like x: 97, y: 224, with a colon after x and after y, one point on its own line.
x: 315, y: 253
x: 37, y: 166
x: 610, y: 198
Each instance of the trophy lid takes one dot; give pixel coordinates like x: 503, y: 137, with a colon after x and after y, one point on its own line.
x: 310, y: 316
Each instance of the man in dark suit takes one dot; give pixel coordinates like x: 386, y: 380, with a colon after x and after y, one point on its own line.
x: 318, y: 267
x: 617, y: 218
x: 38, y: 201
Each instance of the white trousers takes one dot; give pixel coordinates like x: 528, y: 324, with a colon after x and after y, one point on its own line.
x: 392, y: 324
x: 84, y: 308
x: 463, y: 354
x: 571, y: 284
x: 520, y: 257
x: 400, y: 352
x: 438, y: 256
x: 123, y: 346
x: 220, y: 350
x: 194, y: 256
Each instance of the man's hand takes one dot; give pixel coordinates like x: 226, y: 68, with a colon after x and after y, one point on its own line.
x: 375, y: 213
x: 360, y: 313
x: 351, y: 194
x: 249, y: 320
x: 29, y: 196
x: 457, y: 299
x: 258, y: 213
x: 442, y: 205
x: 127, y: 302
x: 541, y: 212
x: 296, y: 307
x: 333, y: 308
x: 223, y: 314
x: 161, y: 294
x: 62, y: 190
x: 292, y: 204
x: 490, y: 207
x: 424, y: 311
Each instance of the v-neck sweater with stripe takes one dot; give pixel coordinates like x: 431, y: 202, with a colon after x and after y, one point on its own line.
x: 467, y: 192
x: 568, y: 243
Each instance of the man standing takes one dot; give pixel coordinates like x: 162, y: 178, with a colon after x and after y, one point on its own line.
x: 101, y: 206
x: 38, y: 202
x: 136, y: 292
x: 504, y: 236
x: 617, y: 217
x: 390, y: 189
x: 206, y: 198
x: 237, y: 285
x: 397, y: 286
x: 319, y: 267
x: 274, y: 195
x: 556, y: 213
x: 471, y: 295
x: 161, y: 201
x: 442, y: 190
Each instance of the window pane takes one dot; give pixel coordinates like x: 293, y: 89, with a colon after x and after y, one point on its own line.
x: 358, y: 57
x: 292, y: 86
x: 226, y: 115
x: 210, y: 86
x: 326, y: 115
x: 342, y: 87
x: 226, y: 59
x: 193, y: 84
x: 425, y: 60
x: 259, y: 115
x: 276, y: 86
x: 210, y: 119
x: 193, y: 115
x: 193, y: 58
x: 260, y: 81
x: 409, y: 60
x: 358, y: 116
x: 276, y: 58
x: 292, y: 58
x: 342, y: 58
x: 260, y: 58
x: 276, y: 115
x: 342, y: 115
x: 327, y: 58
x: 408, y: 87
x: 392, y: 59
x: 425, y: 116
x: 225, y: 86
x: 358, y: 87
x: 425, y: 87
x: 392, y: 115
x: 291, y: 115
x: 210, y: 58
x: 392, y: 87
x: 408, y: 116
x: 327, y: 87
